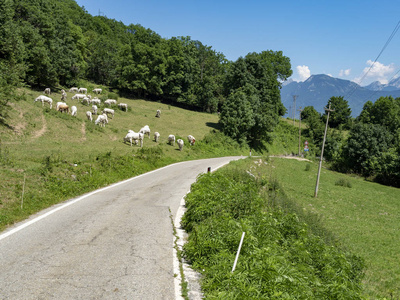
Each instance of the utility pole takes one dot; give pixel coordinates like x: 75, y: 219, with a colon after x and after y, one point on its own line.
x: 322, y: 151
x: 300, y: 110
x: 294, y: 107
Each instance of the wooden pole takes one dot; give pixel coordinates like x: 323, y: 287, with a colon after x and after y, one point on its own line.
x: 322, y: 151
x: 23, y: 192
x: 300, y: 110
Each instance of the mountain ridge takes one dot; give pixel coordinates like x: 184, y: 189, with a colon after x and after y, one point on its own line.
x: 319, y: 88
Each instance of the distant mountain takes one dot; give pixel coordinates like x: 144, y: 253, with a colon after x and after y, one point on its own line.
x: 317, y: 90
x: 393, y: 85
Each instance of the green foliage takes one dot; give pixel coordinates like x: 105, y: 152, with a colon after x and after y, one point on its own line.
x: 252, y: 90
x: 385, y: 111
x: 279, y: 257
x: 341, y: 114
x: 343, y: 182
x: 364, y: 151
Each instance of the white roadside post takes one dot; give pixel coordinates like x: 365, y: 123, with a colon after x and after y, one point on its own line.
x: 238, y: 252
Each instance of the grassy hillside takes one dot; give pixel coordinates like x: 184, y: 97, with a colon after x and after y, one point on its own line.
x: 61, y: 156
x: 363, y: 215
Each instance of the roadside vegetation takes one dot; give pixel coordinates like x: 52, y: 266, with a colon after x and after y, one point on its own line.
x: 281, y: 257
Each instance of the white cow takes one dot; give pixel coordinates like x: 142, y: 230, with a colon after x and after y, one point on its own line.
x: 156, y: 137
x: 74, y: 110
x: 108, y: 111
x: 102, y: 120
x: 97, y: 91
x: 82, y: 90
x: 78, y: 96
x: 134, y: 136
x: 63, y: 95
x: 180, y: 144
x: 89, y: 115
x: 123, y: 106
x: 145, y: 130
x: 171, y: 139
x: 86, y: 100
x: 110, y: 102
x: 94, y: 108
x: 44, y: 99
x: 191, y: 139
x: 96, y: 101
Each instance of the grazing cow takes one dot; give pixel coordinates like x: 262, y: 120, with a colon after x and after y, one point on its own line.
x: 191, y: 139
x: 82, y: 90
x: 156, y: 137
x: 74, y: 110
x: 123, y: 106
x: 180, y: 144
x: 44, y: 99
x: 171, y: 139
x: 108, y: 111
x: 145, y: 130
x: 89, y: 115
x: 63, y: 108
x: 134, y: 136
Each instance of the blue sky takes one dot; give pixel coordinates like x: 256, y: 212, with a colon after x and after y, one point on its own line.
x: 340, y: 38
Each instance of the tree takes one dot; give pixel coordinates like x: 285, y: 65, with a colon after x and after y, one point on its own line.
x: 385, y: 111
x: 315, y: 125
x: 258, y: 75
x: 237, y: 116
x: 341, y: 114
x: 366, y: 148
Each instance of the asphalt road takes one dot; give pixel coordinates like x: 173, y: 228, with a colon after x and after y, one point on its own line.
x: 114, y: 243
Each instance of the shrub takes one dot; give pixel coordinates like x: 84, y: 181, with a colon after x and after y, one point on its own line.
x: 343, y: 182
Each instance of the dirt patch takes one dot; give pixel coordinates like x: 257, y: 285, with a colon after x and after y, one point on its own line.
x: 42, y: 131
x: 83, y: 131
x: 291, y: 157
x: 19, y: 127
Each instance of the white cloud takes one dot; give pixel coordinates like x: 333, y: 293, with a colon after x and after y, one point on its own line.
x: 344, y: 72
x: 376, y: 72
x: 303, y: 72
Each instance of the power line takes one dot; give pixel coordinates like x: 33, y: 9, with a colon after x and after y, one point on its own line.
x: 397, y: 27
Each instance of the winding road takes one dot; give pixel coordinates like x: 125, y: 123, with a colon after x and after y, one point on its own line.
x: 113, y: 243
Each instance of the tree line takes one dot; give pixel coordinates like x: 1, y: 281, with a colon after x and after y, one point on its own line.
x: 51, y: 43
x: 372, y: 145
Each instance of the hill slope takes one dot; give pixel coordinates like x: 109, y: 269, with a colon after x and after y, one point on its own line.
x: 47, y: 156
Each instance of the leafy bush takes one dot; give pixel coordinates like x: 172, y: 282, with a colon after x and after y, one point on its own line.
x: 343, y: 182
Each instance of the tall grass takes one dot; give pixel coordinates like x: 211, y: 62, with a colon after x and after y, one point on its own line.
x: 280, y: 257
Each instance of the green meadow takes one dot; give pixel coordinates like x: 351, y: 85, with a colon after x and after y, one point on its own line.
x: 363, y: 215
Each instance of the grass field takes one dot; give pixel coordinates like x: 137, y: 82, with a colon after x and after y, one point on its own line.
x: 363, y: 215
